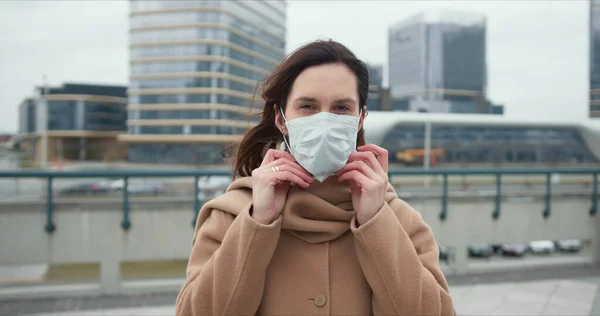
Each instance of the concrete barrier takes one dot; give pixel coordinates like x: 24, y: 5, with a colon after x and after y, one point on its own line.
x: 89, y: 231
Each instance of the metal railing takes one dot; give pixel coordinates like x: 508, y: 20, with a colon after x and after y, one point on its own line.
x: 50, y: 226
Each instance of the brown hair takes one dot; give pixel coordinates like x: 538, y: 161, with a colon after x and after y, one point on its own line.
x: 276, y: 88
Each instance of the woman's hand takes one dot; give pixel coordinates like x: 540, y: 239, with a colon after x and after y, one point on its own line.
x: 271, y: 182
x: 366, y: 170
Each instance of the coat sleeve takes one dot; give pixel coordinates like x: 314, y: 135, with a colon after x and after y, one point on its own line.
x: 227, y: 265
x: 399, y: 257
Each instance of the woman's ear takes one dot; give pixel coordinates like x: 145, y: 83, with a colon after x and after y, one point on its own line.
x: 280, y: 121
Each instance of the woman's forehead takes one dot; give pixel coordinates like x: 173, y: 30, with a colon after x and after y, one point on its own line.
x: 330, y: 82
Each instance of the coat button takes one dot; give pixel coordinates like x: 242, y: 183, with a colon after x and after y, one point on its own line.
x: 320, y: 300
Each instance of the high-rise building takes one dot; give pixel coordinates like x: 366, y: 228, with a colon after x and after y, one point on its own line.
x: 73, y: 122
x: 374, y: 102
x: 195, y: 68
x: 437, y: 63
x: 594, y: 26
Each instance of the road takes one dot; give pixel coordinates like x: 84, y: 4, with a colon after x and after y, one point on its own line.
x: 26, y: 189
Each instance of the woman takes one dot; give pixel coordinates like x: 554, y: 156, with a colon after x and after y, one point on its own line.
x: 315, y: 229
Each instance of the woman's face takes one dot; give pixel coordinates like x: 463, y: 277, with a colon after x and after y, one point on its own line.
x: 325, y: 88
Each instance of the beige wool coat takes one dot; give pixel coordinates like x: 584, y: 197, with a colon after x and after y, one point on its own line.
x: 313, y: 259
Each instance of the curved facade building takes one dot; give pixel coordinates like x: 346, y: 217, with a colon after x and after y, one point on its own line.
x: 195, y: 66
x: 473, y: 138
x: 73, y: 122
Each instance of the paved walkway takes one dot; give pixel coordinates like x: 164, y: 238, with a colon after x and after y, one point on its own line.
x: 554, y: 297
x: 566, y: 290
x: 139, y: 311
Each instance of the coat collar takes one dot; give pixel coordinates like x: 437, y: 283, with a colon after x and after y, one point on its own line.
x: 318, y: 214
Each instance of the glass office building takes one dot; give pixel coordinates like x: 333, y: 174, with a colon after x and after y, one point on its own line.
x: 195, y: 68
x: 74, y: 121
x: 374, y: 102
x: 594, y: 65
x: 27, y: 116
x: 437, y: 63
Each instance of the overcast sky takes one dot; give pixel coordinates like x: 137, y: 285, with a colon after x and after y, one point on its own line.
x: 537, y: 50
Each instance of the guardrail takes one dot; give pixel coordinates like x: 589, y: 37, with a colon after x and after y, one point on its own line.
x: 50, y: 226
x: 82, y: 233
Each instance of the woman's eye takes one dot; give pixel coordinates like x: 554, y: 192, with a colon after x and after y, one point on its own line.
x: 307, y: 106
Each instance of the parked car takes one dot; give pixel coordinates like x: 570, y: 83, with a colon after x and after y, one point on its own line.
x: 117, y: 185
x: 444, y: 254
x: 87, y: 188
x: 480, y: 251
x: 514, y: 250
x: 569, y: 245
x: 212, y: 186
x: 148, y: 187
x: 542, y: 247
x: 214, y: 183
x: 497, y: 248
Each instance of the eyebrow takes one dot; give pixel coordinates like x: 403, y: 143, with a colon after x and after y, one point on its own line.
x: 313, y: 100
x: 344, y: 101
x: 306, y: 99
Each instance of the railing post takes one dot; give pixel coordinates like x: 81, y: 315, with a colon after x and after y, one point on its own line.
x: 595, y: 255
x: 126, y: 222
x: 50, y: 227
x: 196, y: 200
x: 496, y: 213
x: 546, y: 212
x: 594, y: 209
x: 444, y: 212
x: 111, y: 247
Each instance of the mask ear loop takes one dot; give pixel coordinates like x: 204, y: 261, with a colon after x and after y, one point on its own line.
x: 360, y: 113
x: 287, y: 145
x: 360, y: 116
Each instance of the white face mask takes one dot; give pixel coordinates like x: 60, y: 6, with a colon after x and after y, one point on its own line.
x: 323, y: 142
